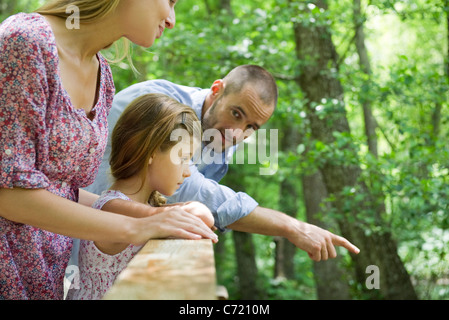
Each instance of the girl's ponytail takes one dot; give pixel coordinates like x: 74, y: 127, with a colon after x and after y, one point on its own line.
x: 157, y: 199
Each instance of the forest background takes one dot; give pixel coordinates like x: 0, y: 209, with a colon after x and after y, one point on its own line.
x: 362, y: 124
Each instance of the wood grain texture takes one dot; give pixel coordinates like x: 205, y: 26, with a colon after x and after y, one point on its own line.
x: 168, y: 269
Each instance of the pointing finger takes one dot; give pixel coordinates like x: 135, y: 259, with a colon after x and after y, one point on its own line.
x: 342, y: 242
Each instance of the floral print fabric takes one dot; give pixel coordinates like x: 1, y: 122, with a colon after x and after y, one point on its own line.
x: 98, y: 270
x: 45, y: 143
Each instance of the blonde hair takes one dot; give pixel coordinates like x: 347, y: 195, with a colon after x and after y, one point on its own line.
x: 144, y: 127
x: 90, y: 11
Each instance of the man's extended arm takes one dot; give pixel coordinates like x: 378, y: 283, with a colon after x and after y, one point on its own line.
x: 238, y: 211
x: 226, y: 205
x: 318, y: 243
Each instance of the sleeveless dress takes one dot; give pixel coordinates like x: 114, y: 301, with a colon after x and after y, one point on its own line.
x: 98, y: 270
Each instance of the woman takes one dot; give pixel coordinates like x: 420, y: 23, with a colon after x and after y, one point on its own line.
x: 55, y: 94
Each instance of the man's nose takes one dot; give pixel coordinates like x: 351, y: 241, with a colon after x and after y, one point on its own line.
x: 242, y: 133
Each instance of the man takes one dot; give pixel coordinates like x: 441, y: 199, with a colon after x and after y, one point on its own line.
x: 240, y: 103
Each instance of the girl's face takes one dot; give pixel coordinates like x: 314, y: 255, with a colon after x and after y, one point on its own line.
x: 145, y: 20
x: 168, y: 169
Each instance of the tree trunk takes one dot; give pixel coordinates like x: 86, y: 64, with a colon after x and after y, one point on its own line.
x: 329, y: 277
x: 285, y: 250
x: 246, y: 266
x: 330, y: 284
x: 446, y: 62
x: 318, y: 80
x: 226, y: 5
x: 365, y: 96
x: 365, y: 66
x: 220, y: 255
x: 436, y: 114
x: 245, y: 254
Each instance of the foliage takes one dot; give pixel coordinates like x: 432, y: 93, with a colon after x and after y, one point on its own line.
x: 407, y: 43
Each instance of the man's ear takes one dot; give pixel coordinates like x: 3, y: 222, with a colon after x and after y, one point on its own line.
x: 217, y: 87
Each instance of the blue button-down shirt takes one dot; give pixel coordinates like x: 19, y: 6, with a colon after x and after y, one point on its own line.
x: 226, y: 205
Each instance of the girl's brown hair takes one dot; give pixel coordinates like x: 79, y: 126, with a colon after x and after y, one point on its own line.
x: 146, y: 126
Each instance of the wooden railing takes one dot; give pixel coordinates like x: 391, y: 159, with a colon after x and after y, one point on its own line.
x: 169, y: 270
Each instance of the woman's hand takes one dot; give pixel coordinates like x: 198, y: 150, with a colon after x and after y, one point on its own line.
x: 201, y: 211
x: 173, y: 223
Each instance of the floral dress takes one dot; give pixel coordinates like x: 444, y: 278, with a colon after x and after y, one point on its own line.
x: 45, y: 143
x: 98, y: 270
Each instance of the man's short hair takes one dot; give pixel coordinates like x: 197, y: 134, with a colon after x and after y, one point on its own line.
x: 258, y: 77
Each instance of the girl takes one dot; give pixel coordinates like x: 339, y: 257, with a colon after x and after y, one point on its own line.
x: 55, y: 93
x: 146, y: 160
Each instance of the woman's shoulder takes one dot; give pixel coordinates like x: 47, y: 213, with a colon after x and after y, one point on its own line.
x: 27, y: 30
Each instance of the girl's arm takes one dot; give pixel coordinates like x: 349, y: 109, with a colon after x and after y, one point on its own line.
x: 127, y: 208
x: 42, y: 209
x: 132, y: 208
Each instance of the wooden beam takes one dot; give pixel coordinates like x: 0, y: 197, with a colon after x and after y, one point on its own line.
x: 169, y: 269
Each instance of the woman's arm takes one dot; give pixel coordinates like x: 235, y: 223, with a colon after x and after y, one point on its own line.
x: 87, y: 198
x: 42, y: 209
x: 139, y: 210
